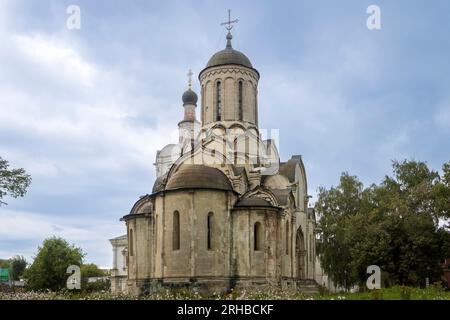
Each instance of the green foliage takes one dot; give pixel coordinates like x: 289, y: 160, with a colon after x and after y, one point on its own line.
x: 92, y: 270
x: 48, y: 270
x: 376, y: 295
x: 18, y: 265
x: 393, y: 225
x: 13, y: 182
x: 97, y: 286
x: 323, y: 290
x: 4, y: 263
x: 405, y: 293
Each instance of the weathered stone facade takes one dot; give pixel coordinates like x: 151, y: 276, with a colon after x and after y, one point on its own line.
x: 224, y: 211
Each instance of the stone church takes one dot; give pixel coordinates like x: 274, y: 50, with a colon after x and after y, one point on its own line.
x: 224, y: 211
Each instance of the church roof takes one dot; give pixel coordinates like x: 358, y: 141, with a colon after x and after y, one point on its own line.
x: 168, y: 150
x: 229, y: 56
x: 189, y: 97
x: 192, y: 176
x: 282, y: 195
x: 119, y: 241
x: 159, y: 184
x: 253, y: 202
x: 237, y: 170
x: 287, y: 169
x: 119, y: 237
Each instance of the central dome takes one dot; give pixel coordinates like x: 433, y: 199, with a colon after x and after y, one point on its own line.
x: 229, y: 56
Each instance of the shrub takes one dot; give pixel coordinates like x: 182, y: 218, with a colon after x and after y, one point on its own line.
x: 376, y: 295
x: 405, y: 293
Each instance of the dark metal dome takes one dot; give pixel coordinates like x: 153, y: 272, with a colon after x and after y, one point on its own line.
x: 190, y: 97
x: 229, y: 56
x: 193, y: 176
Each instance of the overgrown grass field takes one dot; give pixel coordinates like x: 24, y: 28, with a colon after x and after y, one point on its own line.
x: 394, y: 293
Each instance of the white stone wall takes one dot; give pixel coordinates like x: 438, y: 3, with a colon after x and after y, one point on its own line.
x: 119, y: 270
x: 229, y: 77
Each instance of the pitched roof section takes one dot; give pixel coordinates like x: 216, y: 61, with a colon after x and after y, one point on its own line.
x: 159, y: 184
x: 287, y: 169
x: 253, y: 202
x: 282, y: 196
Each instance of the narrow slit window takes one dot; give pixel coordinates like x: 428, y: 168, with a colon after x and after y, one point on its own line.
x: 209, y: 231
x: 240, y: 98
x: 257, y: 236
x: 287, y: 237
x: 131, y: 243
x: 176, y: 231
x: 218, y: 101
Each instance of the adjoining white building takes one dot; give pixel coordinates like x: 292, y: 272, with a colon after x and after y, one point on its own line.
x: 119, y: 270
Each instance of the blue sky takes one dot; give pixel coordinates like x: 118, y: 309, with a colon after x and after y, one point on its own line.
x: 84, y: 111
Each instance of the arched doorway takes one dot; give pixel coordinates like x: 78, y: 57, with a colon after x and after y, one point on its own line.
x: 300, y: 253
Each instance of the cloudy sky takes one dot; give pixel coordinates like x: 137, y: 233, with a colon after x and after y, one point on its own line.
x: 84, y: 111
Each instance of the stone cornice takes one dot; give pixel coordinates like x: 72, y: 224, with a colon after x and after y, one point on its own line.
x: 228, y: 69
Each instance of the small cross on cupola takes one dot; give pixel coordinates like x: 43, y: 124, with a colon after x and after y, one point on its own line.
x: 190, y: 74
x: 189, y: 96
x: 230, y: 22
x: 229, y: 26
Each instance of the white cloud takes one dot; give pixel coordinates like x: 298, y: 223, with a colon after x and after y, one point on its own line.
x: 90, y: 234
x: 55, y: 57
x: 99, y: 129
x: 78, y: 128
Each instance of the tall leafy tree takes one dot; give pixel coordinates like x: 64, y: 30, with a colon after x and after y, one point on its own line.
x: 13, y: 182
x: 48, y: 270
x: 18, y: 265
x: 394, y: 225
x: 335, y: 208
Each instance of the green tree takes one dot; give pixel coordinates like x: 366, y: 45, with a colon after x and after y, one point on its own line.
x: 335, y: 208
x: 13, y: 182
x: 18, y: 265
x: 92, y: 270
x: 48, y: 270
x: 394, y: 225
x: 4, y: 263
